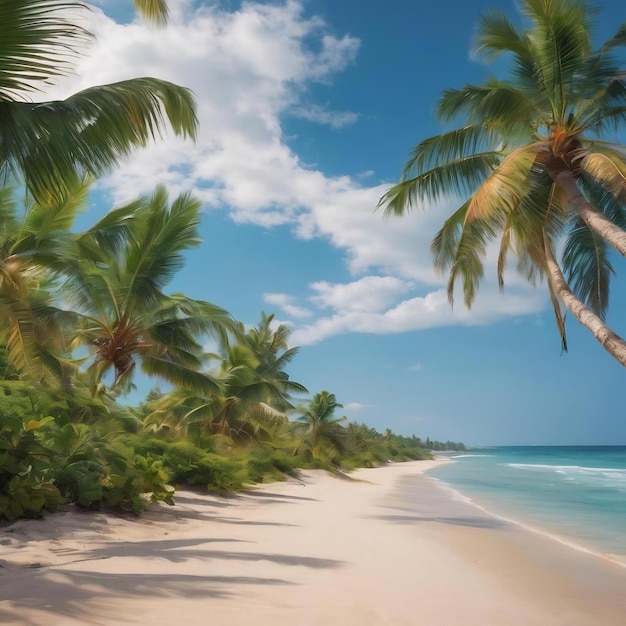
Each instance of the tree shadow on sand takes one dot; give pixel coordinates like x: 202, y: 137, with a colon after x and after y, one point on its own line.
x: 275, y: 497
x: 89, y: 596
x: 473, y: 521
x: 59, y: 592
x: 181, y: 550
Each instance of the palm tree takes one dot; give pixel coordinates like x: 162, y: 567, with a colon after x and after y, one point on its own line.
x: 266, y: 343
x: 322, y: 431
x: 252, y: 395
x: 531, y: 165
x: 35, y: 244
x: 238, y: 410
x: 38, y: 252
x: 127, y: 318
x: 53, y: 144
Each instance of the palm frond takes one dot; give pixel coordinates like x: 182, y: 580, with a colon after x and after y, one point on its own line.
x: 156, y: 255
x: 56, y: 143
x: 505, y: 188
x: 286, y: 357
x: 587, y: 266
x: 494, y: 106
x: 109, y: 237
x: 154, y: 10
x: 505, y: 246
x: 540, y: 212
x: 497, y: 35
x: 204, y: 318
x: 468, y: 265
x: 606, y: 106
x: 57, y: 213
x: 444, y: 245
x: 19, y: 331
x: 561, y: 46
x: 90, y: 289
x: 458, y: 249
x: 458, y: 177
x: 608, y: 167
x: 290, y: 386
x: 37, y: 43
x: 9, y: 223
x: 449, y: 146
x: 179, y: 375
x: 176, y: 332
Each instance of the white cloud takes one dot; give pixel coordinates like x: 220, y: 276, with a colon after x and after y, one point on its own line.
x: 371, y: 293
x: 249, y: 68
x: 285, y: 302
x: 420, y: 313
x: 417, y: 367
x: 355, y: 406
x: 321, y: 115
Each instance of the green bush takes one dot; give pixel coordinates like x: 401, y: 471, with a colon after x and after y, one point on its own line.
x: 27, y: 487
x: 268, y: 465
x: 187, y: 464
x: 96, y: 469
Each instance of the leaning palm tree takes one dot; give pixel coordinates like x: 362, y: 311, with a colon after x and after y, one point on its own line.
x: 53, y: 144
x: 126, y: 316
x: 530, y: 164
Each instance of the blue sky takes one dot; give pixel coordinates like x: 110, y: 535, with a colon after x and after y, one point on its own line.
x: 308, y: 110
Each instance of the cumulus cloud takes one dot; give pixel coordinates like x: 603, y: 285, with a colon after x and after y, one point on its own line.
x: 371, y: 293
x: 251, y: 67
x: 285, y: 303
x: 420, y: 313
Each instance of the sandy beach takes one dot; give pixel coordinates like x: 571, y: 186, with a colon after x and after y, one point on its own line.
x: 387, y: 546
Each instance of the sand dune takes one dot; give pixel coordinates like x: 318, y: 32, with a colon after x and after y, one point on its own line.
x: 384, y: 547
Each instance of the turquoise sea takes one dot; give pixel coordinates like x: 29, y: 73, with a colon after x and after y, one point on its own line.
x: 575, y: 493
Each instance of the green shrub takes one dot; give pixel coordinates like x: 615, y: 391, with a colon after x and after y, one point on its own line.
x: 268, y: 465
x: 27, y: 488
x: 187, y: 464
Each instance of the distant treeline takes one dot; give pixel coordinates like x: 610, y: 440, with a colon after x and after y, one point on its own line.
x: 442, y: 445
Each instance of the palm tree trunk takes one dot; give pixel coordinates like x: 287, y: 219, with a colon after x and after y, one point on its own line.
x: 610, y: 341
x: 612, y: 234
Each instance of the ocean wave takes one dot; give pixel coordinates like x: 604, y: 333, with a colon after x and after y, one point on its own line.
x: 566, y: 468
x: 463, y: 456
x: 604, y: 477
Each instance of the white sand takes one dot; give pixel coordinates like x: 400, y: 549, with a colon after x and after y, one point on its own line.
x: 389, y: 548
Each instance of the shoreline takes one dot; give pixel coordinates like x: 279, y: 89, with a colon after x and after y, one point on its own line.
x: 384, y: 546
x: 543, y: 532
x: 490, y: 509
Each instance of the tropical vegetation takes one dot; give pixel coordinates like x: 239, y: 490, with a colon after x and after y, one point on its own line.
x: 83, y: 312
x: 532, y: 164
